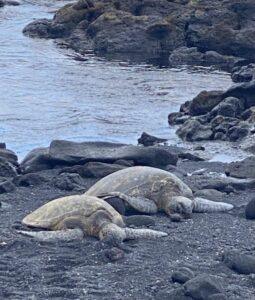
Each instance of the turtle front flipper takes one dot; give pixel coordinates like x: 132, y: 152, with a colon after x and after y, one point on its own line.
x: 114, y: 235
x: 54, y: 236
x: 140, y: 204
x: 202, y: 205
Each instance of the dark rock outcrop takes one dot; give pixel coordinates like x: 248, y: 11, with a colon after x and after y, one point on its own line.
x: 227, y: 29
x: 217, y: 115
x: 66, y: 153
x: 116, y: 27
x: 216, y: 32
x: 77, y: 153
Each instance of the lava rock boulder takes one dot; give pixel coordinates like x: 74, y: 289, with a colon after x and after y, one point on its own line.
x: 203, y: 286
x: 250, y: 210
x: 239, y: 262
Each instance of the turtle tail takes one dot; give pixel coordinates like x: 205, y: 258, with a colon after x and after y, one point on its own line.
x: 143, y: 233
x: 53, y: 236
x: 202, y: 205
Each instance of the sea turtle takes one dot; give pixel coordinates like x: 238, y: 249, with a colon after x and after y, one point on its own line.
x: 73, y: 217
x: 150, y: 190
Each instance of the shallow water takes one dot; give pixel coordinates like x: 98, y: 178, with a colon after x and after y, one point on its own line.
x: 46, y: 94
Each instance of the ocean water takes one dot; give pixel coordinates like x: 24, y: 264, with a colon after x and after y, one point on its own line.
x: 46, y: 94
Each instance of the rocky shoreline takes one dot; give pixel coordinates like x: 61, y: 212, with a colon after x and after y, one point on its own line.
x: 220, y: 245
x: 218, y: 115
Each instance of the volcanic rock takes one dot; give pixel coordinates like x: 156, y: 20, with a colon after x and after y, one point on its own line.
x: 239, y: 262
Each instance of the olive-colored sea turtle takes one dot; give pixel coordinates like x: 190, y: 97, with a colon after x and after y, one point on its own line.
x: 149, y: 190
x: 72, y: 217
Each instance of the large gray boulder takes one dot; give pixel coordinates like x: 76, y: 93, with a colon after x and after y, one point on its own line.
x: 9, y: 155
x: 36, y: 160
x: 79, y: 153
x: 44, y: 28
x: 243, y: 91
x: 66, y: 153
x: 204, y: 102
x: 192, y: 130
x: 242, y: 169
x: 229, y: 107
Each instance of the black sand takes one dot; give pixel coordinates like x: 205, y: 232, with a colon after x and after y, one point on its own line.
x: 79, y: 270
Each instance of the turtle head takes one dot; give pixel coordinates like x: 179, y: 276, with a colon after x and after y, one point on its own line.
x: 112, y: 234
x: 179, y: 205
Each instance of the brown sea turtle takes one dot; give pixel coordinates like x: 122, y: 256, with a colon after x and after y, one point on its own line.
x: 73, y: 217
x: 150, y: 190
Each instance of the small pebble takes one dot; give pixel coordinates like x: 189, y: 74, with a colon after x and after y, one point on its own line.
x: 199, y: 148
x: 114, y: 254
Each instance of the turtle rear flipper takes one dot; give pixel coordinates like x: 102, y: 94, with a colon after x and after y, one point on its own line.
x: 141, y: 204
x: 54, y: 236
